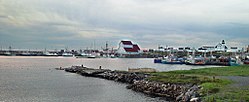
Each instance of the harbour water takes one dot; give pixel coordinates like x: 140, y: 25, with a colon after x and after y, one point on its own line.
x: 33, y: 79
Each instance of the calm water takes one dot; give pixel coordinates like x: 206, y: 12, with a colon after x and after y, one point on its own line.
x: 33, y: 79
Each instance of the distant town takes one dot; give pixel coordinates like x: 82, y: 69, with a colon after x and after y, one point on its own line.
x: 128, y: 49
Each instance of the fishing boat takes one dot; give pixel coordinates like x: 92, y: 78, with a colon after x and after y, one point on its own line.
x: 196, y: 61
x: 91, y: 56
x: 112, y: 56
x: 246, y: 62
x: 8, y: 54
x: 157, y: 60
x: 66, y: 54
x: 193, y: 60
x: 233, y: 62
x: 87, y: 55
x: 49, y: 54
x: 82, y: 55
x: 172, y: 60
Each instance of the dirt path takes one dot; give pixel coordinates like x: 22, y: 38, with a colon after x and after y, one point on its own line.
x: 239, y: 81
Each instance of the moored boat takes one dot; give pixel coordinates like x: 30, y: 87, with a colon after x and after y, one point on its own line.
x: 233, y: 62
x: 172, y: 60
x: 65, y: 54
x: 196, y: 61
x: 82, y: 55
x: 49, y: 54
x: 246, y: 62
x: 91, y: 56
x: 157, y: 60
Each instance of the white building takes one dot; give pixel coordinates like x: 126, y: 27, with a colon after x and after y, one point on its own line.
x: 128, y: 48
x: 221, y: 46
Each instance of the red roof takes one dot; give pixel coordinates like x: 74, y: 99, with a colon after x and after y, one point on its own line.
x: 134, y: 49
x: 127, y: 42
x: 130, y: 50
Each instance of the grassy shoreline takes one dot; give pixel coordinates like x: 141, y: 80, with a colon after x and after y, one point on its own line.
x: 214, y: 87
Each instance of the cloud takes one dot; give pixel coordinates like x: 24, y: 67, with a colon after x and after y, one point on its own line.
x: 77, y: 23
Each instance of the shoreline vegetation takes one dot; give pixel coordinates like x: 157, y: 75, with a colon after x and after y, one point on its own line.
x: 207, y: 84
x: 216, y: 86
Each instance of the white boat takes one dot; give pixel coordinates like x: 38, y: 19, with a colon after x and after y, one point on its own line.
x: 82, y: 55
x: 87, y: 55
x: 7, y: 54
x: 91, y: 56
x: 112, y: 56
x: 50, y: 54
x: 66, y: 54
x: 26, y: 54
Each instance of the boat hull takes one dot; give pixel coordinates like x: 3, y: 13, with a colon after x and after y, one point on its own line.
x: 196, y: 64
x: 173, y: 62
x: 246, y: 62
x: 157, y: 61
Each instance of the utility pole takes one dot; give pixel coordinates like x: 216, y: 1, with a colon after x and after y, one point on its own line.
x: 106, y: 45
x: 9, y: 48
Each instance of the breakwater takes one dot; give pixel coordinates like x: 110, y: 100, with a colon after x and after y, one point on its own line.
x: 139, y: 82
x: 172, y: 92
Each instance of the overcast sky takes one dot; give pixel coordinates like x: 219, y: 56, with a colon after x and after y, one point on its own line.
x: 56, y: 24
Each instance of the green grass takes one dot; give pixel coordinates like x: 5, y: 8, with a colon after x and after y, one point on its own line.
x: 216, y: 71
x: 181, y: 78
x: 229, y: 94
x: 213, y: 87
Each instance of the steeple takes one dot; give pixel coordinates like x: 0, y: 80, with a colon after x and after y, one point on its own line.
x: 221, y: 46
x: 223, y: 42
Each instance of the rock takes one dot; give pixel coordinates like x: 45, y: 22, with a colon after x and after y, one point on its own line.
x: 195, y: 99
x: 195, y: 88
x: 129, y: 86
x: 178, y: 98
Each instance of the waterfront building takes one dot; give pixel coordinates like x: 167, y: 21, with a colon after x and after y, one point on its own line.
x: 221, y: 46
x: 127, y: 48
x: 233, y: 49
x: 173, y: 49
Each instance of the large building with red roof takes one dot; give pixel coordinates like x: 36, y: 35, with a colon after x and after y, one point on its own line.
x: 128, y: 48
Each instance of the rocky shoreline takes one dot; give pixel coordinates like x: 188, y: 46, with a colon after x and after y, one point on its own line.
x: 138, y: 82
x: 172, y: 92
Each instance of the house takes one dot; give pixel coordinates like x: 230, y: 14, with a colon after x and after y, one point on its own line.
x: 128, y: 48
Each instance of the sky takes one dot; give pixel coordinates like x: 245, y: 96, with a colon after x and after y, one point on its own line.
x: 80, y: 24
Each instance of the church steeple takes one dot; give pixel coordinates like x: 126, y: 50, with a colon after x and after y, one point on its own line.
x: 221, y: 46
x: 223, y: 42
